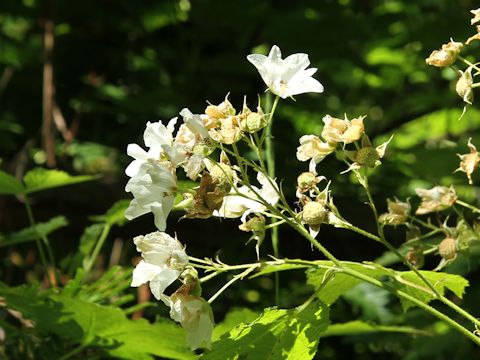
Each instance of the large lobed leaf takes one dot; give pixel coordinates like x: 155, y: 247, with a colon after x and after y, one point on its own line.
x: 407, y: 281
x: 276, y: 334
x: 95, y: 325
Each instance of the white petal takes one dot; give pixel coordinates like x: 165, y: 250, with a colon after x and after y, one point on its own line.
x: 161, y: 211
x: 134, y: 210
x: 144, y: 272
x: 136, y: 152
x: 194, y: 122
x: 133, y: 168
x: 162, y: 281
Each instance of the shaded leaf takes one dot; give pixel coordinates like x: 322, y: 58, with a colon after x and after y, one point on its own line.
x: 33, y: 232
x: 95, y: 325
x: 9, y: 185
x: 115, y: 215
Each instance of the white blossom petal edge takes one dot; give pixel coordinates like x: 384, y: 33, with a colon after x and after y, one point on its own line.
x: 286, y: 77
x: 164, y: 259
x: 195, y: 316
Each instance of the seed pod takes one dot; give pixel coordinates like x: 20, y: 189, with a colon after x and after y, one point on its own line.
x: 313, y: 213
x: 448, y: 248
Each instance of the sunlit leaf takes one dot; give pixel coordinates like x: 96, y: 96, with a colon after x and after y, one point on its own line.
x: 41, y: 179
x: 276, y: 334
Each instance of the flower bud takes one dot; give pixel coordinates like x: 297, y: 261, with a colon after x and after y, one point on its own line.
x: 367, y: 156
x: 313, y: 213
x: 307, y: 180
x: 398, y: 212
x: 464, y: 86
x: 255, y: 224
x: 415, y: 257
x: 448, y: 249
x: 469, y: 162
x: 254, y: 122
x: 222, y: 174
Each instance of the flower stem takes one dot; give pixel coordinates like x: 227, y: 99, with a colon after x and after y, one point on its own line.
x: 469, y: 63
x: 345, y: 269
x: 385, y: 242
x: 101, y: 240
x: 38, y: 239
x: 468, y: 206
x: 235, y: 278
x: 270, y: 154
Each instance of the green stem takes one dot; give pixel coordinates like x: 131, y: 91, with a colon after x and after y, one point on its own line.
x: 38, y: 240
x: 384, y: 241
x: 235, y: 278
x: 469, y: 63
x: 389, y: 246
x: 101, y: 240
x: 73, y: 352
x: 270, y: 154
x: 394, y: 291
x: 468, y: 206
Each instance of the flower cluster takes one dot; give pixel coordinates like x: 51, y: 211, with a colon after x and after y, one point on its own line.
x: 223, y: 189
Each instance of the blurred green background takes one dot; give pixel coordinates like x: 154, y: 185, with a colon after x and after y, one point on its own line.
x: 118, y: 64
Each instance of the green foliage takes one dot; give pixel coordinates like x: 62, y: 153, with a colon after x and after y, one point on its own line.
x: 233, y: 318
x: 88, y: 325
x: 277, y: 334
x: 115, y: 215
x: 360, y: 328
x: 340, y: 283
x: 406, y: 281
x: 440, y: 280
x: 9, y: 185
x: 41, y: 179
x: 34, y: 232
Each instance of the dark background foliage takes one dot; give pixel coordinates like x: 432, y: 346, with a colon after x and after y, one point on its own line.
x: 119, y: 64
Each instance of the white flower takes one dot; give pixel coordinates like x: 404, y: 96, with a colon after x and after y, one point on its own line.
x: 195, y: 316
x: 243, y: 201
x: 191, y: 141
x: 311, y: 147
x: 153, y: 188
x: 159, y: 139
x: 164, y: 259
x: 286, y: 77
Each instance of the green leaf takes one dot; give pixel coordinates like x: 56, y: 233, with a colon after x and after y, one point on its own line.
x: 233, y: 318
x: 41, y: 179
x: 276, y: 334
x: 33, y: 232
x: 115, y: 215
x: 270, y: 269
x: 359, y: 327
x: 95, y: 325
x: 87, y: 243
x: 372, y: 301
x: 407, y: 281
x: 9, y: 185
x: 440, y: 282
x: 340, y: 283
